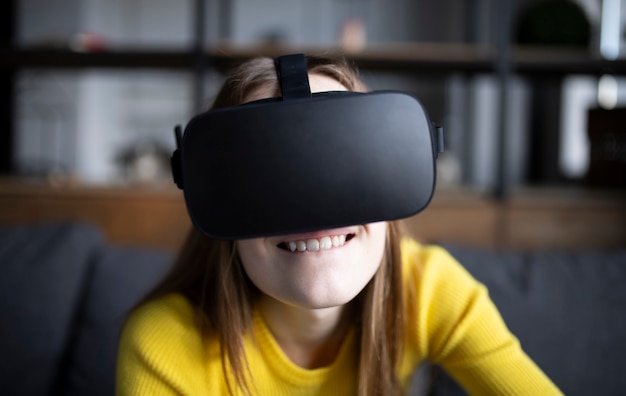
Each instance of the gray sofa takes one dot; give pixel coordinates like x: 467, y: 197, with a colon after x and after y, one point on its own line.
x: 65, y: 292
x: 64, y: 295
x: 568, y: 308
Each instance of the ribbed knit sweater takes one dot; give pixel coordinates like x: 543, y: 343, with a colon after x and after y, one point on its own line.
x: 452, y: 323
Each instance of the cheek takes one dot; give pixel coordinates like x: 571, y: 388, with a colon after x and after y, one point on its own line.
x: 377, y: 238
x: 255, y: 261
x: 250, y: 251
x: 373, y: 250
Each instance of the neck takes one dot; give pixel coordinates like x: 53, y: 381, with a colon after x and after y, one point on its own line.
x: 311, y: 338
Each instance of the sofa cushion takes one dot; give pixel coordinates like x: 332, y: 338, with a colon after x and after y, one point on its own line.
x: 567, y: 309
x: 43, y: 269
x: 121, y: 277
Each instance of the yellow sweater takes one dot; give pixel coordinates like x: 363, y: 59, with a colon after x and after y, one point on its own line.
x: 452, y: 322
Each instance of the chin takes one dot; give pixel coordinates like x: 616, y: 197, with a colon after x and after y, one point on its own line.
x: 308, y: 300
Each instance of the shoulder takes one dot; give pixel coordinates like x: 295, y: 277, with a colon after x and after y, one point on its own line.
x: 413, y: 250
x: 454, y: 323
x: 172, y: 312
x: 154, y: 325
x: 436, y: 278
x: 439, y: 294
x: 162, y: 350
x: 428, y: 262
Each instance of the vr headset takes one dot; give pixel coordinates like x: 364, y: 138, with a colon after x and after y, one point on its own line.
x: 305, y: 162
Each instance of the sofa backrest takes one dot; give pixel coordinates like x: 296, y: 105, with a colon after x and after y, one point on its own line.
x: 64, y: 295
x: 568, y: 308
x: 121, y: 276
x: 44, y: 271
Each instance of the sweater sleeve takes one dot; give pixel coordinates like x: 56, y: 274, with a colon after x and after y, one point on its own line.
x: 160, y: 351
x: 460, y: 329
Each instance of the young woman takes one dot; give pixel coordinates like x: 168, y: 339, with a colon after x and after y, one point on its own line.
x: 336, y: 312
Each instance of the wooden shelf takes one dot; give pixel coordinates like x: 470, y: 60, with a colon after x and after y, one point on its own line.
x: 530, y: 219
x: 560, y: 61
x: 65, y: 59
x: 434, y: 58
x: 395, y: 57
x: 137, y: 216
x: 439, y: 58
x: 157, y: 217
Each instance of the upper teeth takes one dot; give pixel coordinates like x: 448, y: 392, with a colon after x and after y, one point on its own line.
x: 314, y: 245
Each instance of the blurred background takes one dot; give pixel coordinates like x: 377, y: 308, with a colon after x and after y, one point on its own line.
x: 531, y: 95
x: 531, y: 194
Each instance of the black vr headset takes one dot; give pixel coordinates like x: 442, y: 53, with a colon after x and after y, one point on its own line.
x: 305, y: 162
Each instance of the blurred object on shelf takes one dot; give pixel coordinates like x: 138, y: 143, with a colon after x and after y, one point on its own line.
x: 449, y: 172
x: 88, y: 42
x: 607, y: 137
x: 608, y: 91
x: 353, y: 35
x: 554, y: 22
x: 145, y: 162
x: 77, y: 42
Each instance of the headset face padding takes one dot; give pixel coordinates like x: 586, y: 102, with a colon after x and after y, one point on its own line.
x: 276, y: 167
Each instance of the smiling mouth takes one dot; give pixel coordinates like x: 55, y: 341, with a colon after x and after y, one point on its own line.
x: 316, y: 244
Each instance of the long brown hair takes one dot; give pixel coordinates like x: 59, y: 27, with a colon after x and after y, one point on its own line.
x: 210, y: 274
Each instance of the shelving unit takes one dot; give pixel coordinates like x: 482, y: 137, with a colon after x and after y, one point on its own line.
x: 544, y: 67
x: 500, y: 219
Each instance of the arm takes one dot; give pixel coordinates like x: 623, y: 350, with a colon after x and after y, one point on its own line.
x: 464, y: 333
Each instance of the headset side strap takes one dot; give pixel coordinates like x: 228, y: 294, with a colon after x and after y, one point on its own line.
x: 438, y: 139
x: 176, y: 160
